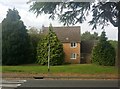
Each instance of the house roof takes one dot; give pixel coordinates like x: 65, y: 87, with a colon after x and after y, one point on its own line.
x: 65, y: 34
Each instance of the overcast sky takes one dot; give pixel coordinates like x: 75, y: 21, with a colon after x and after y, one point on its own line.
x: 30, y: 19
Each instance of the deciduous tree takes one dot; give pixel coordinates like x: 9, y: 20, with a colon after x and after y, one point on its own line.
x: 87, y: 36
x: 35, y: 37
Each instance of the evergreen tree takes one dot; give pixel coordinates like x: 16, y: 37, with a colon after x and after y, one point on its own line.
x: 16, y: 45
x: 103, y: 53
x: 56, y: 49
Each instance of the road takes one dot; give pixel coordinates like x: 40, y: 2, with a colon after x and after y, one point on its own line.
x: 11, y: 84
x: 69, y: 84
x: 59, y: 84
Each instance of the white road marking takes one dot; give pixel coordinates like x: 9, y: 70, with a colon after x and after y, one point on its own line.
x: 11, y: 83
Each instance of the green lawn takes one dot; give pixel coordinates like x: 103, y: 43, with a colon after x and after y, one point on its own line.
x: 73, y: 68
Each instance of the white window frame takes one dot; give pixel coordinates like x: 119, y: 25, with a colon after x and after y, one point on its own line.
x: 73, y: 44
x: 73, y: 56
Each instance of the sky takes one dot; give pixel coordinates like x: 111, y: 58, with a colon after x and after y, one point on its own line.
x: 30, y: 19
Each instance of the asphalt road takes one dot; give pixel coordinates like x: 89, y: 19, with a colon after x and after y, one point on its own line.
x: 69, y: 84
x: 11, y: 84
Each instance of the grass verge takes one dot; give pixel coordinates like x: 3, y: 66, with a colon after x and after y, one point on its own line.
x: 73, y: 68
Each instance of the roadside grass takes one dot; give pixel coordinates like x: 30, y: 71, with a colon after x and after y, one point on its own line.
x: 72, y: 68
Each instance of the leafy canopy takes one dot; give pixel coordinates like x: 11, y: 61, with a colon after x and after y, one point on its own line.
x: 71, y: 13
x: 87, y: 36
x: 35, y: 37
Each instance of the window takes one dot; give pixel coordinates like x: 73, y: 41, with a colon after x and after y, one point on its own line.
x: 73, y: 44
x: 73, y: 55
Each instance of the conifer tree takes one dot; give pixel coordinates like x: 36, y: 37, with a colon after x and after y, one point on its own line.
x: 16, y: 45
x: 56, y: 49
x: 103, y: 53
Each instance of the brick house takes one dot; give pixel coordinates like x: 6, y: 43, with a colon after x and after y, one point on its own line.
x: 70, y: 37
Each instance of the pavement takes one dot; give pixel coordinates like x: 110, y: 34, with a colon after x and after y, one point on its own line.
x: 59, y: 84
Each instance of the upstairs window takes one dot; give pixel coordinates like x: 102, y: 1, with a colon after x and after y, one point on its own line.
x: 73, y: 45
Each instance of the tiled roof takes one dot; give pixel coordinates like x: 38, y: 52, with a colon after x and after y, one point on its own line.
x: 66, y: 34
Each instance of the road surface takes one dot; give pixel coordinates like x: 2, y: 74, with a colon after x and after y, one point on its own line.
x: 11, y: 84
x: 69, y: 84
